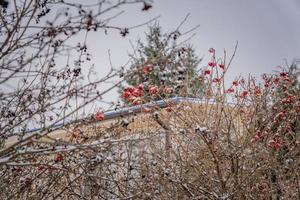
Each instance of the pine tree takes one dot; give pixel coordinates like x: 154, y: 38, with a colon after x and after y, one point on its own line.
x: 162, y: 66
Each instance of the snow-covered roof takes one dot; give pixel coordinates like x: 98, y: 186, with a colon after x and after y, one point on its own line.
x: 128, y: 110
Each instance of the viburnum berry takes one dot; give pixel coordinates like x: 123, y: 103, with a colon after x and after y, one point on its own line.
x: 276, y: 80
x: 19, y: 170
x: 257, y: 92
x: 277, y: 146
x: 235, y: 83
x: 258, y: 136
x: 283, y: 74
x: 274, y: 143
x: 129, y: 89
x: 126, y: 94
x: 140, y: 86
x: 216, y: 80
x: 212, y: 64
x: 208, y: 92
x: 291, y: 98
x: 167, y: 90
x: 222, y: 66
x: 267, y: 84
x: 169, y: 109
x: 58, y: 158
x: 207, y: 72
x: 137, y: 92
x: 245, y: 93
x: 99, y: 116
x: 147, y: 69
x: 153, y: 89
x: 230, y: 90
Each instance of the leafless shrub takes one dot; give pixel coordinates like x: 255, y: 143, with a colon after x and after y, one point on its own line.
x: 238, y: 142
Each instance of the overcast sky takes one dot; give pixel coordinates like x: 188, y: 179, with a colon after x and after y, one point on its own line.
x: 268, y: 31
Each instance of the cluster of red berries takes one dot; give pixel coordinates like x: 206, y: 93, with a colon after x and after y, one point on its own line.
x: 258, y: 136
x: 99, y: 116
x: 147, y: 68
x: 135, y: 95
x: 58, y: 158
x: 213, y: 63
x: 231, y: 89
x: 275, y: 143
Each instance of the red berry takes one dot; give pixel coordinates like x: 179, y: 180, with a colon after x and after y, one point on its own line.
x: 276, y: 80
x: 230, y: 90
x: 257, y: 92
x: 222, y: 66
x: 58, y: 158
x: 168, y: 109
x: 235, y: 83
x: 99, y: 116
x: 153, y: 89
x: 140, y: 86
x: 245, y: 93
x: 137, y: 93
x: 129, y: 89
x: 212, y: 64
x: 126, y: 94
x: 167, y: 90
x: 216, y: 80
x: 283, y: 74
x: 277, y: 146
x: 147, y: 69
x: 207, y: 72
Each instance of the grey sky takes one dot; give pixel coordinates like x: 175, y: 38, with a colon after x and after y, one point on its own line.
x: 268, y: 31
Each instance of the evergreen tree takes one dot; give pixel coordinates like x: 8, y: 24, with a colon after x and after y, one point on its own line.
x: 162, y: 66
